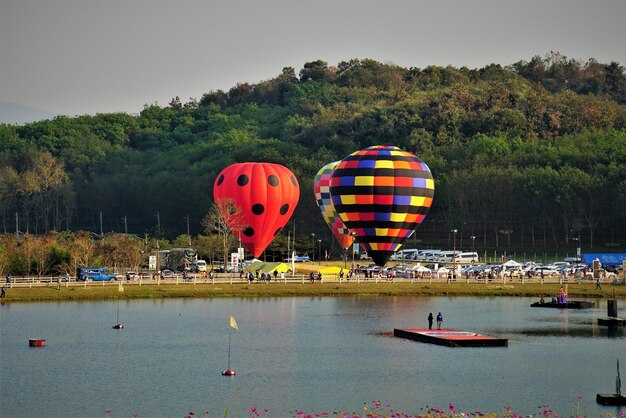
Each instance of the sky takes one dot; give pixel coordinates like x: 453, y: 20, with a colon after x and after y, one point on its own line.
x: 77, y: 57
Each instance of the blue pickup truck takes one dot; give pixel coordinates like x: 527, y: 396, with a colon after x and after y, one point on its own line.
x: 95, y: 274
x: 298, y: 259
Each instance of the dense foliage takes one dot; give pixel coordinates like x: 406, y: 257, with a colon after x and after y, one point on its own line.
x: 532, y: 155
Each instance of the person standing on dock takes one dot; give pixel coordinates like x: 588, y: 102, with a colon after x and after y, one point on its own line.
x: 439, y: 320
x: 598, y: 283
x: 430, y: 320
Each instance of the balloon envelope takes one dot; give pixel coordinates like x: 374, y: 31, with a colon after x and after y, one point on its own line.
x: 261, y: 197
x: 321, y: 190
x: 382, y: 193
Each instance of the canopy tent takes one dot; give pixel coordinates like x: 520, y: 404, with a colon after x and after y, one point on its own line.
x: 262, y: 267
x: 332, y: 270
x: 512, y: 263
x: 607, y: 259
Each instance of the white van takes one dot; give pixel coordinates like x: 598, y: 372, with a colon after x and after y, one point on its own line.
x: 431, y: 255
x: 364, y: 256
x: 406, y: 254
x: 469, y: 257
x: 200, y: 266
x: 445, y: 256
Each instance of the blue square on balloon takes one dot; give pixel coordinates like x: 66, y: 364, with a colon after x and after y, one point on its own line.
x: 382, y: 217
x: 346, y: 181
x: 402, y: 200
x: 419, y: 182
x: 367, y: 164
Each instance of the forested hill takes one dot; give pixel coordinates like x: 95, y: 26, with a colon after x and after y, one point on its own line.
x: 528, y: 155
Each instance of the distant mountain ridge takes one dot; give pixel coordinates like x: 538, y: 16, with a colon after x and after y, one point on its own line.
x: 11, y: 113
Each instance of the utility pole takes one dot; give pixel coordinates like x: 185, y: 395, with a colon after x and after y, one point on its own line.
x: 17, y: 226
x: 100, y: 223
x: 454, y: 232
x: 125, y: 220
x: 158, y: 215
x: 188, y: 233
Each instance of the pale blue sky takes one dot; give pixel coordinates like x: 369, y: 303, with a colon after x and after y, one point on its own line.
x: 88, y: 56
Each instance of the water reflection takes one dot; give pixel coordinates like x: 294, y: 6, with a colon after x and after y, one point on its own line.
x: 314, y: 354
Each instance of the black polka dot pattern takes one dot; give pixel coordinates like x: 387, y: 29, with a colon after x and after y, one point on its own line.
x: 258, y: 209
x: 220, y: 180
x: 242, y: 180
x: 272, y: 180
x: 293, y: 181
x: 284, y: 209
x: 248, y: 232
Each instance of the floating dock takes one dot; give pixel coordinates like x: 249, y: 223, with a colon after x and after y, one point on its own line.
x: 570, y: 304
x: 612, y: 322
x: 610, y: 399
x: 450, y: 337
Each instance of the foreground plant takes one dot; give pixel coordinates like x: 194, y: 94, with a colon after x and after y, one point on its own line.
x: 376, y: 409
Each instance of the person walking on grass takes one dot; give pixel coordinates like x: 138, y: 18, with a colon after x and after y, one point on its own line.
x: 439, y: 320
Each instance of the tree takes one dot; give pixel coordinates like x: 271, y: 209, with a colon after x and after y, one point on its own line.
x: 225, y: 218
x: 81, y: 249
x: 315, y: 71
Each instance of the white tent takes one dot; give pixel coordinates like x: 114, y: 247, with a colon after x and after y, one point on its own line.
x: 512, y: 263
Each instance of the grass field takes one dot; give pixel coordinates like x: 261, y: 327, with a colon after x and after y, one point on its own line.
x: 586, y: 290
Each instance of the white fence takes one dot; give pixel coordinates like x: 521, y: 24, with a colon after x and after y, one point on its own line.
x: 56, y: 282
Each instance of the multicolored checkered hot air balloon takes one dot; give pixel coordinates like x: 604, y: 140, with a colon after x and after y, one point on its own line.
x: 321, y: 186
x: 382, y: 193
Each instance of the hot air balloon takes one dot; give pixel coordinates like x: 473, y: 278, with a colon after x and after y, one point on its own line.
x: 321, y: 191
x: 262, y: 198
x: 381, y: 194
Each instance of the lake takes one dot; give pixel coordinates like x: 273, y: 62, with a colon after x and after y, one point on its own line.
x: 312, y: 354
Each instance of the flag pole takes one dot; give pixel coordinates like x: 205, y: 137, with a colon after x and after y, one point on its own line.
x: 232, y: 324
x: 229, y: 334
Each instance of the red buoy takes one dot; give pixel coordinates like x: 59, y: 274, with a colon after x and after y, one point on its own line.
x: 228, y: 372
x: 36, y: 342
x: 118, y: 326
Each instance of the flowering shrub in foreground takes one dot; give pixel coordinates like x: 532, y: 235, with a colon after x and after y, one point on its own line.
x: 375, y: 409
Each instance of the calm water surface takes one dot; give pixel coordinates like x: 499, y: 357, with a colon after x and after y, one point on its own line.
x: 310, y: 354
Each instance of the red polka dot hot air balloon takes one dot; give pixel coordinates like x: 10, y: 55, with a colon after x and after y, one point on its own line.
x: 321, y: 190
x: 382, y: 193
x: 263, y: 194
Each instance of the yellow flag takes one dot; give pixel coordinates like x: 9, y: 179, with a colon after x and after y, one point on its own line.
x: 233, y: 323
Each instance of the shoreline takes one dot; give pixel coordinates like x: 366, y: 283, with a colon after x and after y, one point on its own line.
x: 164, y: 291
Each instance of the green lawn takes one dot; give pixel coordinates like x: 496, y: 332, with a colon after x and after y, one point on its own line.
x: 586, y: 290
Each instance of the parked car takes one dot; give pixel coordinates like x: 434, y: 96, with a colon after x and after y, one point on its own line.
x: 603, y: 274
x: 94, y: 274
x: 545, y: 271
